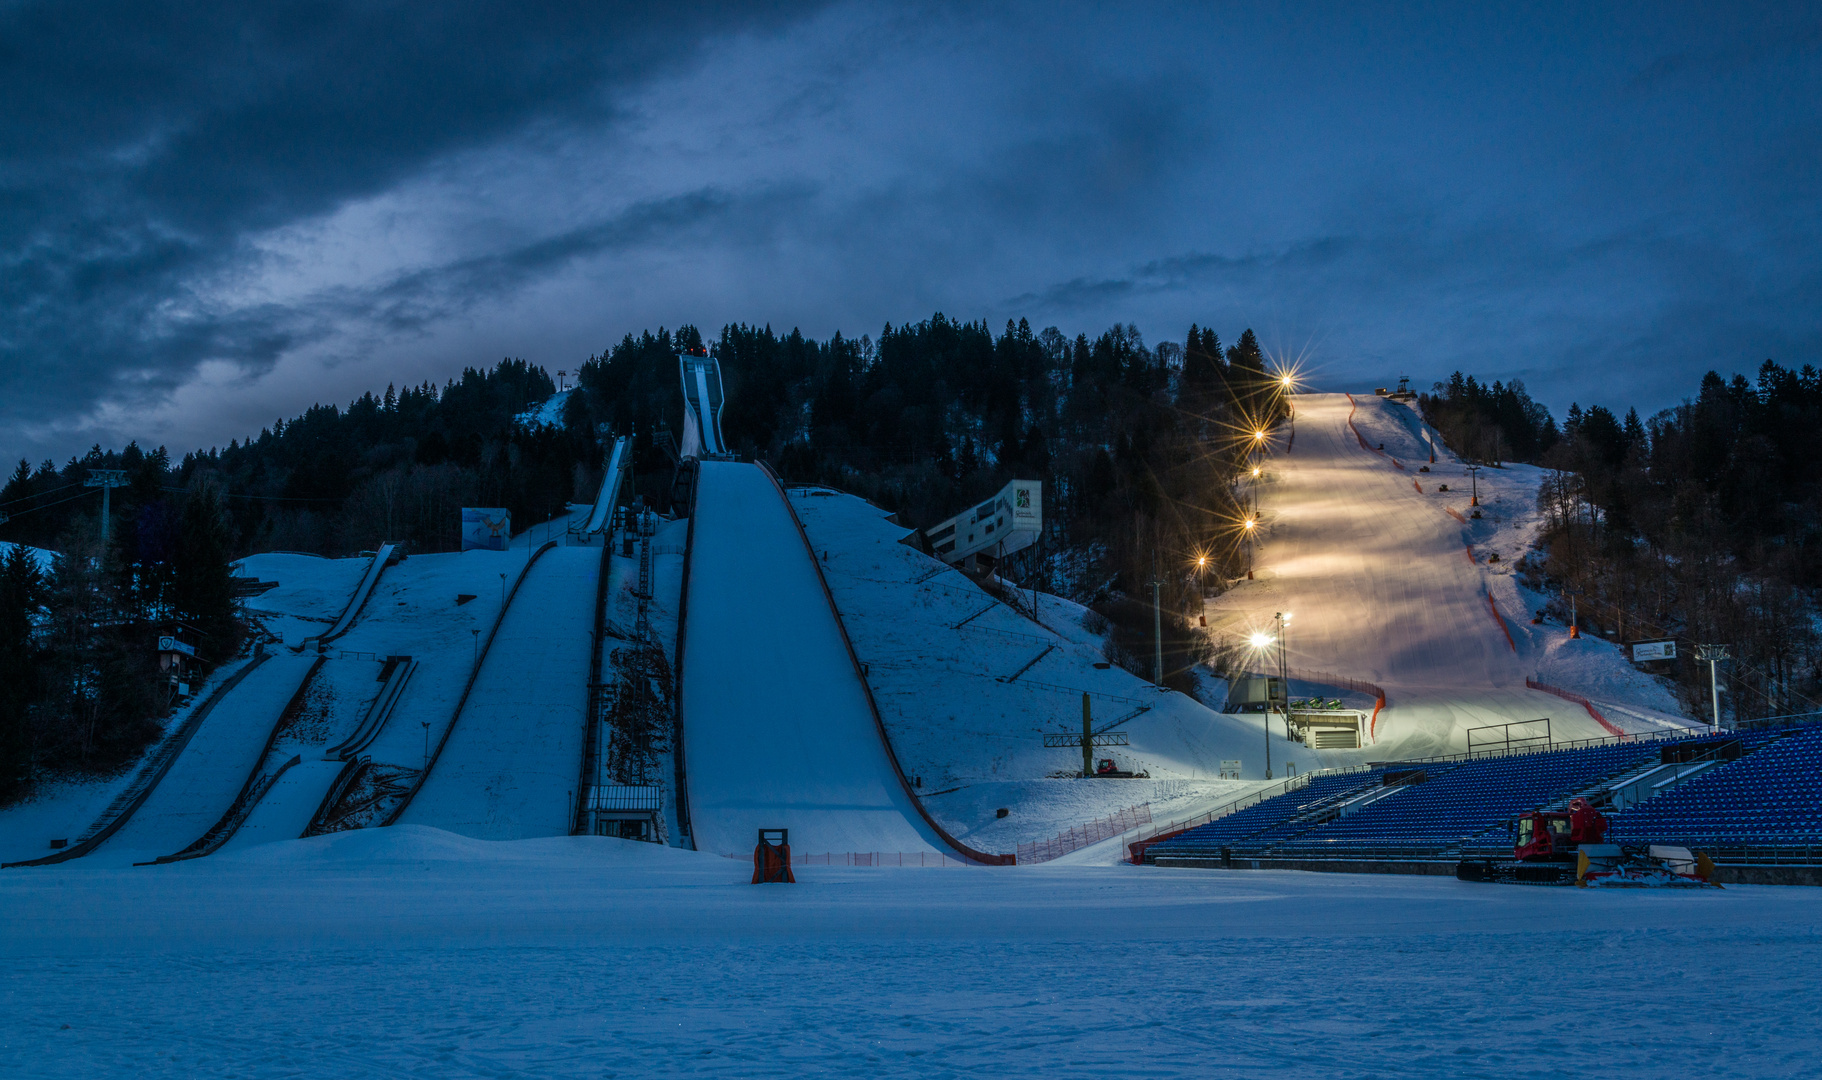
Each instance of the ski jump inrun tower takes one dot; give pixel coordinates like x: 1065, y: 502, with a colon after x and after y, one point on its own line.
x: 702, y: 402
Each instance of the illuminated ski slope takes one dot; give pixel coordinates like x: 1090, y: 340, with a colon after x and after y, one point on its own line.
x: 1382, y: 585
x: 776, y: 727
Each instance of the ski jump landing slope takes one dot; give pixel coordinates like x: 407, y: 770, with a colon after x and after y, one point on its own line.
x: 777, y: 729
x: 1381, y: 586
x: 509, y: 768
x: 206, y: 777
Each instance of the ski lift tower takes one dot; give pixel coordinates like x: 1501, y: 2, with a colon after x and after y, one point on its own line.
x: 1087, y: 740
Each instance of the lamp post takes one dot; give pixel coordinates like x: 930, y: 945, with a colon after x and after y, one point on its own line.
x: 1261, y: 642
x: 1157, y: 625
x: 1284, y: 674
x: 1247, y: 525
x: 1713, y: 654
x: 1474, y: 480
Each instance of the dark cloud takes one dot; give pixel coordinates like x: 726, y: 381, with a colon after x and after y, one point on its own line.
x: 212, y: 216
x: 143, y: 143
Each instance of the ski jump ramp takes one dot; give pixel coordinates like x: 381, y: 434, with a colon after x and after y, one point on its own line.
x: 778, y: 730
x: 602, y: 515
x: 508, y: 767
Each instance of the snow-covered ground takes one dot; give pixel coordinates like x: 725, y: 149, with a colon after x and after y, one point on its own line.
x: 1387, y: 578
x: 43, y: 557
x: 410, y: 951
x: 510, y: 766
x: 776, y: 727
x: 206, y: 777
x: 310, y: 595
x: 969, y: 687
x: 548, y: 413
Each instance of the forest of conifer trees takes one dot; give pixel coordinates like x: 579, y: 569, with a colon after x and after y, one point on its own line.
x: 1701, y: 522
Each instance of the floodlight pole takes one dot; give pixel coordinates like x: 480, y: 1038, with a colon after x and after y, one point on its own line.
x: 1157, y: 625
x: 1474, y: 480
x: 1284, y: 678
x: 107, y: 480
x: 1714, y: 654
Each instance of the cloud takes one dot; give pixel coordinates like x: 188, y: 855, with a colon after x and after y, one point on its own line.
x: 143, y: 145
x: 213, y: 217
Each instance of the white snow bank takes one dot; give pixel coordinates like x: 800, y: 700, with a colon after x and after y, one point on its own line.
x: 968, y: 688
x: 511, y: 764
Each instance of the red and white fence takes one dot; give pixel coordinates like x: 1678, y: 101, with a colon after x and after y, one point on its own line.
x: 1081, y: 836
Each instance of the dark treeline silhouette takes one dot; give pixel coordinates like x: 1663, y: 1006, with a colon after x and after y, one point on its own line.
x: 1489, y: 423
x: 1702, y: 523
x: 1138, y: 448
x: 80, y: 686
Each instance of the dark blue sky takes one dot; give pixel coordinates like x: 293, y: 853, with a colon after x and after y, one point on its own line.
x: 210, y: 219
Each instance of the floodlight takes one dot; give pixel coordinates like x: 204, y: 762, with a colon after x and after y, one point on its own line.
x: 1260, y: 641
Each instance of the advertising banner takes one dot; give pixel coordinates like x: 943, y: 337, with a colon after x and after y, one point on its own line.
x: 485, y: 528
x: 1653, y: 650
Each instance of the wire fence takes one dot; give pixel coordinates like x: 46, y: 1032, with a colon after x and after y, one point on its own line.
x: 869, y: 858
x: 1081, y: 836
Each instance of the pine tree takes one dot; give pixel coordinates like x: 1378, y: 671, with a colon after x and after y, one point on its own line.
x: 21, y: 588
x: 201, y: 593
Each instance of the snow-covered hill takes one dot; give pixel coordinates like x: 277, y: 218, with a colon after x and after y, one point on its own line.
x: 968, y: 687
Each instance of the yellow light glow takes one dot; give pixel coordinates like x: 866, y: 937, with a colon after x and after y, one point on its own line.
x: 1248, y: 523
x: 1202, y: 560
x: 1255, y: 470
x: 1259, y: 436
x: 1260, y: 641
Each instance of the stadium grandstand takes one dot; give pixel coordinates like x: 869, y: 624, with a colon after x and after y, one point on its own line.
x: 1751, y: 800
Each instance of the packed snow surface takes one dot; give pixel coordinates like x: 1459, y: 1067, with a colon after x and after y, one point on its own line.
x: 209, y: 773
x: 413, y: 952
x: 1378, y: 568
x: 311, y: 594
x: 512, y: 761
x: 776, y: 727
x: 969, y: 686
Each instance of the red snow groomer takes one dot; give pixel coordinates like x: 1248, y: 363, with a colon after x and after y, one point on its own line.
x: 1564, y: 847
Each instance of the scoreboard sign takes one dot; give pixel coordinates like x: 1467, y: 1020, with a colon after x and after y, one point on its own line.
x: 1653, y: 650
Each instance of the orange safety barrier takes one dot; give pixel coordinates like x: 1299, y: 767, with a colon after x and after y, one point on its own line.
x: 1454, y: 513
x: 1579, y: 700
x: 1352, y: 406
x: 1418, y: 486
x: 1329, y: 678
x: 1503, y: 628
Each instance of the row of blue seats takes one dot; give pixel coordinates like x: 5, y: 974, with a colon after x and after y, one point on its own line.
x: 1773, y: 792
x: 1222, y: 832
x: 1476, y: 796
